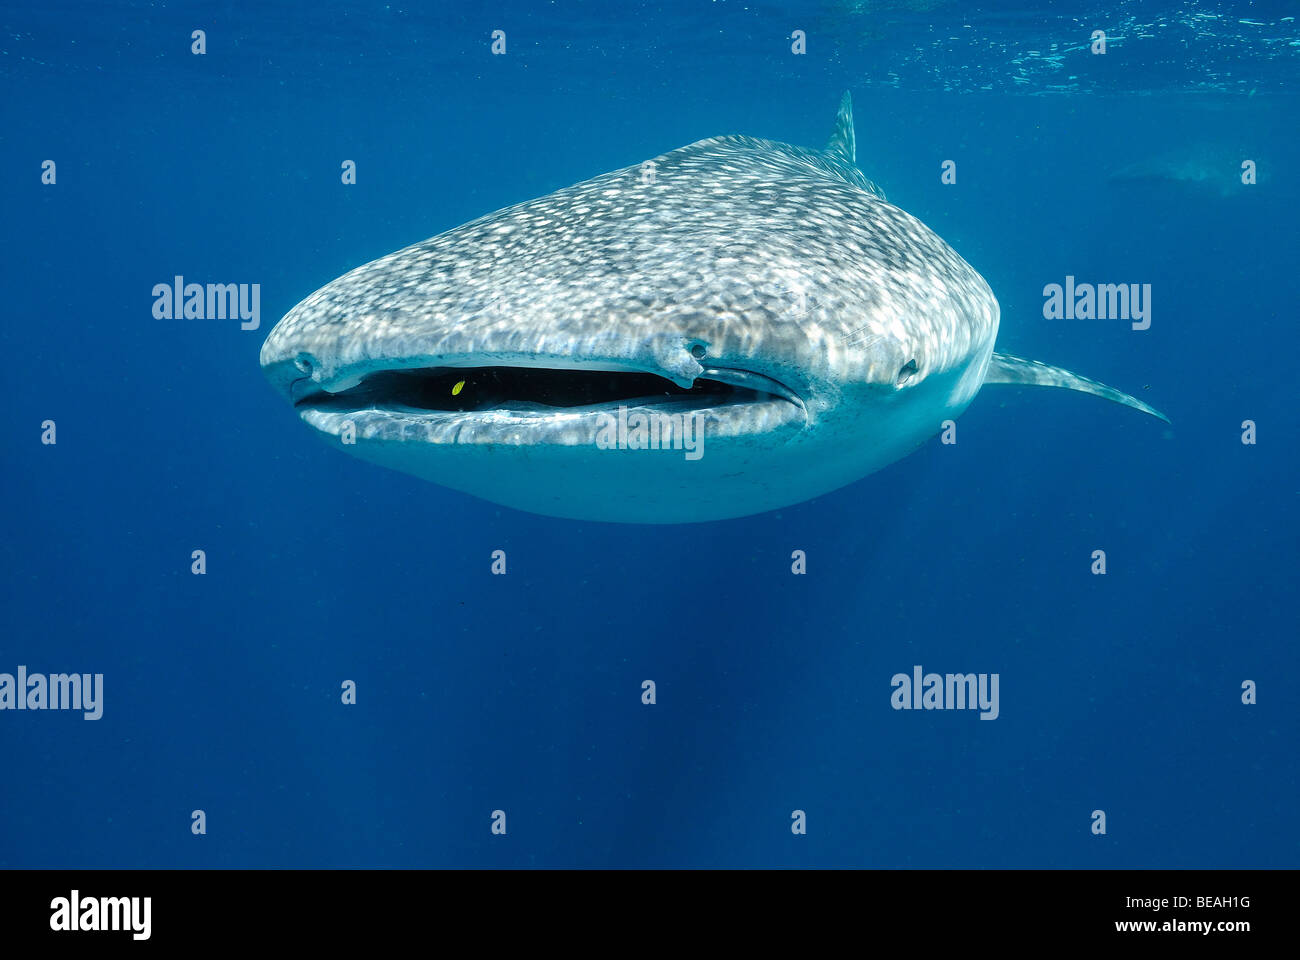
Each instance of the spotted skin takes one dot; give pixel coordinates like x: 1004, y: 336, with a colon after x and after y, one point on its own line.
x: 759, y: 248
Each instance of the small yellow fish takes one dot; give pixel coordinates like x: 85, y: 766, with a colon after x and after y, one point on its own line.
x: 455, y: 391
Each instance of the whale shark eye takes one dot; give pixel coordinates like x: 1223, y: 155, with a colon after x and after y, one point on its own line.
x: 304, y: 363
x: 906, y: 372
x: 698, y: 351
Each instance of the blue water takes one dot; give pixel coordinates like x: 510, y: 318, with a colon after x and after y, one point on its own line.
x: 522, y: 693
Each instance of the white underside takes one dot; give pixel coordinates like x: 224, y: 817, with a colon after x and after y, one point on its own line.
x: 753, y: 458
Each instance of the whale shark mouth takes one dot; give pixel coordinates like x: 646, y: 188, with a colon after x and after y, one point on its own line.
x: 531, y: 391
x: 532, y: 406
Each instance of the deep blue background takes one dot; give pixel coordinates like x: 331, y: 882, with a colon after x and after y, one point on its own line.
x: 523, y: 692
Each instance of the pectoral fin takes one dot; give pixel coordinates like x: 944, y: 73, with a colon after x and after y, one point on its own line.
x: 1005, y: 369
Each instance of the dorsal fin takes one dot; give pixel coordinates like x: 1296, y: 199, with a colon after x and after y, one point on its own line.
x: 1007, y: 369
x: 843, y: 142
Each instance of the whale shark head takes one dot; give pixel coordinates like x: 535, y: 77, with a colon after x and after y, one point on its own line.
x: 731, y: 327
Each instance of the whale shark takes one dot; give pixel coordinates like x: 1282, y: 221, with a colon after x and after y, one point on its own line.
x: 1204, y: 168
x: 728, y: 328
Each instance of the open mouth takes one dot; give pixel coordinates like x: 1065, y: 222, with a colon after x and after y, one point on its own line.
x: 540, y: 390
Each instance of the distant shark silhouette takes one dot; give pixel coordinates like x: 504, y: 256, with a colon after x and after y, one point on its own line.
x: 1203, y: 167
